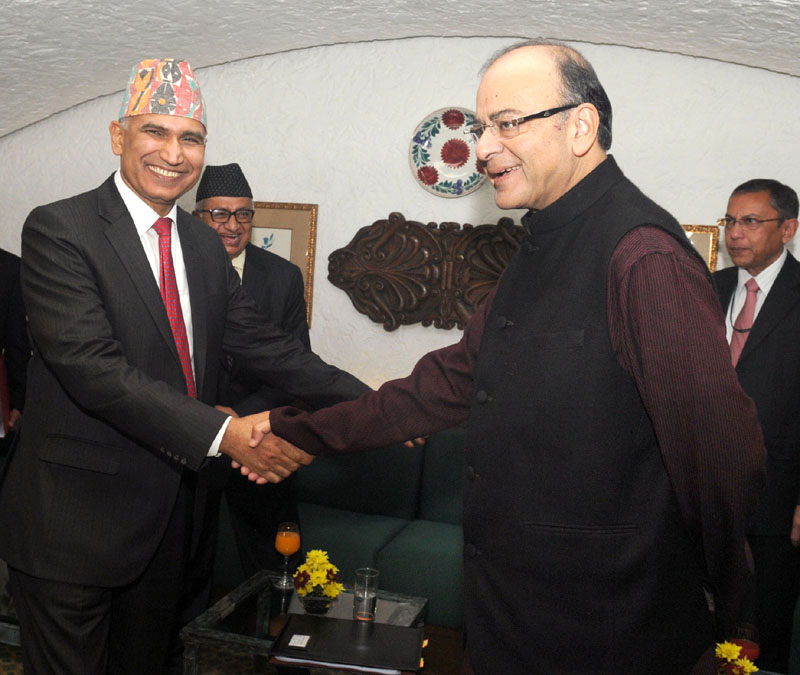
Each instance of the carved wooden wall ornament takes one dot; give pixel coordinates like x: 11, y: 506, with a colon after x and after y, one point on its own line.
x: 398, y: 271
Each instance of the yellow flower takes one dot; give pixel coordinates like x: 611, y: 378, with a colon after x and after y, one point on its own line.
x: 333, y: 589
x: 319, y: 577
x: 746, y: 666
x: 316, y: 557
x: 727, y: 651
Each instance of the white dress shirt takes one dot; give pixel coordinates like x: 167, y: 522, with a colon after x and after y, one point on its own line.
x: 238, y: 263
x: 765, y: 280
x: 144, y: 217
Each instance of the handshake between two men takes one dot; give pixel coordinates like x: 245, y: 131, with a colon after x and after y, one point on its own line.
x: 258, y: 453
x: 261, y: 455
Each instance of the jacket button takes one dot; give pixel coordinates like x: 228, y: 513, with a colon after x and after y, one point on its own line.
x: 183, y: 460
x: 529, y: 247
x: 481, y: 396
x: 501, y: 322
x: 470, y: 472
x: 470, y: 550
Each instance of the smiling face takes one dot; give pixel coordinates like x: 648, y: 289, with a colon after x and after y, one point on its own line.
x: 234, y: 235
x: 756, y: 249
x: 549, y: 155
x: 161, y: 156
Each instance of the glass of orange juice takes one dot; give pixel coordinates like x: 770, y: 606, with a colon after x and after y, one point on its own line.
x: 287, y: 543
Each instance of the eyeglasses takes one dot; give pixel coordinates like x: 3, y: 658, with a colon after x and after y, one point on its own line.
x: 242, y: 216
x: 510, y: 128
x: 748, y: 222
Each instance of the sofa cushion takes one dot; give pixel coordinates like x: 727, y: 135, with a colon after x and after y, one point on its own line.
x: 425, y: 559
x: 351, y: 539
x: 443, y: 477
x: 381, y: 482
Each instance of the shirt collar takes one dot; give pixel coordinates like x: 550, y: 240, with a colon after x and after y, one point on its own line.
x: 766, y: 277
x: 238, y: 262
x: 143, y: 215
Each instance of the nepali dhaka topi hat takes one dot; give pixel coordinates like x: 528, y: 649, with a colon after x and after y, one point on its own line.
x: 226, y: 180
x: 163, y: 87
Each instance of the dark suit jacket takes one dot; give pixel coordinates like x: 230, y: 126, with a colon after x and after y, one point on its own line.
x: 276, y: 287
x: 769, y: 372
x: 13, y: 332
x: 108, y: 426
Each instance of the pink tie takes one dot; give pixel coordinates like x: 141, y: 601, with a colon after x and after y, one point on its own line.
x: 172, y: 300
x: 744, y: 322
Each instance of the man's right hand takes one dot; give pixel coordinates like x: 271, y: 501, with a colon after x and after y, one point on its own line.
x: 272, y: 459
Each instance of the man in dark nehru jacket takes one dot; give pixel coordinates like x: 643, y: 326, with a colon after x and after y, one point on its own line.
x: 613, y: 461
x: 224, y: 202
x: 131, y: 304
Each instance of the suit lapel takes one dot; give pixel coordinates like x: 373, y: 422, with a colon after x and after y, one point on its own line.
x: 195, y: 276
x: 121, y: 234
x: 783, y: 296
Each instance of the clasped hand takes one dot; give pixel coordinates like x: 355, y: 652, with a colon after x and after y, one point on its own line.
x: 258, y: 453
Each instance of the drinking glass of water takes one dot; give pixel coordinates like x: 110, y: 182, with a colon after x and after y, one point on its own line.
x: 365, y: 594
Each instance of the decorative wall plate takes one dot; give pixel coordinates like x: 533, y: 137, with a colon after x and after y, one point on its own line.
x: 442, y: 156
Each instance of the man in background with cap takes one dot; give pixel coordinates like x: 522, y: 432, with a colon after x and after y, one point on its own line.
x: 224, y: 201
x: 131, y: 304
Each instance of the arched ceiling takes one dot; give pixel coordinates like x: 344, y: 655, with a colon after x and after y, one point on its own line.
x: 55, y: 54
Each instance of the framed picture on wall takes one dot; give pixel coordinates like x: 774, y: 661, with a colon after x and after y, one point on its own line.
x: 290, y: 231
x: 705, y: 239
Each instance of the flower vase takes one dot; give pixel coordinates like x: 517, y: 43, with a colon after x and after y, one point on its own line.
x: 316, y: 604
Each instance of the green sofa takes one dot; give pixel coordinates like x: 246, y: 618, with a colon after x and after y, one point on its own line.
x: 397, y: 509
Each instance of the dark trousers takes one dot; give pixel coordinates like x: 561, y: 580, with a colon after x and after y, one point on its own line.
x: 72, y: 628
x: 777, y: 567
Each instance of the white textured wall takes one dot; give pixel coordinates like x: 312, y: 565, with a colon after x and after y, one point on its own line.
x: 331, y: 125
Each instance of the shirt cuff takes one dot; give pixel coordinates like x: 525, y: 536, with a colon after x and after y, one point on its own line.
x: 213, y: 451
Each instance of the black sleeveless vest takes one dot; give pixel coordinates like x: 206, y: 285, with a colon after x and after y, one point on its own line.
x: 574, y: 544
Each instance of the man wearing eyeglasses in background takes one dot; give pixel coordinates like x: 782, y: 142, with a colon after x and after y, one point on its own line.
x: 612, y: 459
x: 761, y: 300
x: 224, y: 201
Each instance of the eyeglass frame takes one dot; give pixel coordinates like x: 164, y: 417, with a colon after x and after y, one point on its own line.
x: 514, y: 122
x: 752, y: 226
x: 230, y: 213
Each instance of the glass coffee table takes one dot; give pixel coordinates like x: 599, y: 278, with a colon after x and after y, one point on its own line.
x: 246, y: 621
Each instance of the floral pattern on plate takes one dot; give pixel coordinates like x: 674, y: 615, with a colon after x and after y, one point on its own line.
x: 442, y: 156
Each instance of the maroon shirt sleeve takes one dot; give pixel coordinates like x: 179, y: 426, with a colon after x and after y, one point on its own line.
x: 435, y: 396
x: 668, y: 332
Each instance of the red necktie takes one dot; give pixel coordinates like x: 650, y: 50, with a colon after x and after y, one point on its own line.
x: 172, y: 300
x: 744, y: 322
